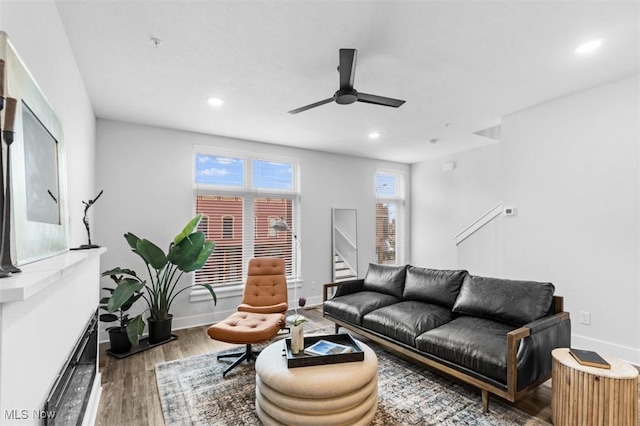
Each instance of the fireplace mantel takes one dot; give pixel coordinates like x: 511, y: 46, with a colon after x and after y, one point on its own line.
x: 43, y: 311
x: 39, y: 275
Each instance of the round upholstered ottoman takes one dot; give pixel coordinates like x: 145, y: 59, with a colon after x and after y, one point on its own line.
x: 332, y: 394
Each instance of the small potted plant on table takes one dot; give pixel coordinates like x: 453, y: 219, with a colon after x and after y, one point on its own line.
x: 297, y: 333
x: 188, y: 252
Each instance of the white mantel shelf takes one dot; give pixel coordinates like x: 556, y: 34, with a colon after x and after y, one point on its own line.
x: 39, y: 275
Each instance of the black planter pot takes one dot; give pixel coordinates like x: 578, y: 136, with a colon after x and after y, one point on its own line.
x: 119, y: 341
x: 159, y: 331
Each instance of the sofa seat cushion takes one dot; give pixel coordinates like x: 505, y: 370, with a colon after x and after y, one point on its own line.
x: 478, y: 344
x: 387, y: 279
x: 433, y: 285
x: 516, y: 302
x: 405, y: 321
x: 352, y: 307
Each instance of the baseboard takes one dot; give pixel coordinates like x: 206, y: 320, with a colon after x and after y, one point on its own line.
x: 210, y: 318
x: 199, y: 320
x: 625, y: 353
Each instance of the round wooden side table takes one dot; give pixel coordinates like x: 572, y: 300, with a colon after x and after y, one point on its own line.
x: 584, y: 395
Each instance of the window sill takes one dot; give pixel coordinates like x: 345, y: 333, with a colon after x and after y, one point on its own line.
x: 225, y: 292
x: 202, y: 294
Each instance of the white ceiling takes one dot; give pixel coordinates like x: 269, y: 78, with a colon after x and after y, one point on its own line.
x: 460, y: 65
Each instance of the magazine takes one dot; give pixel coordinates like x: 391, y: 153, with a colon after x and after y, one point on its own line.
x: 325, y: 347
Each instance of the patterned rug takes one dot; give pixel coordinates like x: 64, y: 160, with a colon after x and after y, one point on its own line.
x: 194, y: 393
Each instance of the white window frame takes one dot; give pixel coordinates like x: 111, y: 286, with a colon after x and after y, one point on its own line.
x: 399, y: 198
x: 249, y: 194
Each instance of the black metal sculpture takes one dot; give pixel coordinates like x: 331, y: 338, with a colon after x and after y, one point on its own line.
x: 85, y: 220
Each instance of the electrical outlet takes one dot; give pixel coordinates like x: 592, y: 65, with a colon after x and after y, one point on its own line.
x: 313, y: 285
x: 585, y: 317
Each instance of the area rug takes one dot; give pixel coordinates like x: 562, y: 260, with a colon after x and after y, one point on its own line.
x: 194, y: 393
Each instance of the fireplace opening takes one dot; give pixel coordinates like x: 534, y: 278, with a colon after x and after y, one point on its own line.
x: 67, y: 401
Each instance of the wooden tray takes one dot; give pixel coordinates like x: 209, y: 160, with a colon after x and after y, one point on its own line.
x: 305, y: 360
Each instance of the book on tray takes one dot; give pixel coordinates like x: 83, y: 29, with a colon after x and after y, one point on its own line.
x: 590, y: 358
x: 324, y: 347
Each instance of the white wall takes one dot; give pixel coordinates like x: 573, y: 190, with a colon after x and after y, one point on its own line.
x: 571, y: 168
x: 35, y: 29
x: 147, y: 176
x: 445, y: 202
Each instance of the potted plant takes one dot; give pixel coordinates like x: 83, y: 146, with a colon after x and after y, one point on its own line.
x: 187, y: 252
x: 118, y: 337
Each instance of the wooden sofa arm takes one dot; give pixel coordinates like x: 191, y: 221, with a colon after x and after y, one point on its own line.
x: 343, y: 288
x: 325, y: 290
x: 513, y: 337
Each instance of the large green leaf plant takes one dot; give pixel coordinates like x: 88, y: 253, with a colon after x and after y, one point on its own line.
x: 187, y: 252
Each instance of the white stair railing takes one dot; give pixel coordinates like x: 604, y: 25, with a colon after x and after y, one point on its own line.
x: 479, y: 223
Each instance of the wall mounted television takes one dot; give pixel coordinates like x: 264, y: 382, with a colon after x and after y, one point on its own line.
x: 39, y: 199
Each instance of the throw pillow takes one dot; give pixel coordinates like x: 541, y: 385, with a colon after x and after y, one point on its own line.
x: 515, y: 302
x: 385, y: 279
x: 433, y: 285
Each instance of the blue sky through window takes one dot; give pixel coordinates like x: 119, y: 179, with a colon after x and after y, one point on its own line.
x: 229, y: 171
x: 385, y: 184
x: 219, y: 170
x: 270, y: 175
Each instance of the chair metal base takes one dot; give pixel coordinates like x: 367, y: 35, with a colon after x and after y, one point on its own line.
x: 249, y: 354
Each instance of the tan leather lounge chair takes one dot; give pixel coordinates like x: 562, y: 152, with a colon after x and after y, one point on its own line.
x: 260, y: 315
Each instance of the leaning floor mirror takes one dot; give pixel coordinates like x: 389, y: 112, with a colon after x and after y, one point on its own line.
x: 344, y: 244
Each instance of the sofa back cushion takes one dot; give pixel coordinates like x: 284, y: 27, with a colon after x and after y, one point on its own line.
x: 440, y: 287
x: 385, y: 279
x: 515, y: 302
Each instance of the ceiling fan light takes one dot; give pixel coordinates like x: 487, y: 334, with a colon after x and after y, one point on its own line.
x: 589, y: 46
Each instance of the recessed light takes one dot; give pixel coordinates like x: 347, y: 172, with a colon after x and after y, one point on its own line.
x: 589, y: 46
x: 215, y: 102
x: 374, y: 135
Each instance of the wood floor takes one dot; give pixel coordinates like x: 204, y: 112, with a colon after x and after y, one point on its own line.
x: 130, y: 396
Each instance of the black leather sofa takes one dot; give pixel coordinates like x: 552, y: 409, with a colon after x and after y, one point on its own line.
x: 492, y: 333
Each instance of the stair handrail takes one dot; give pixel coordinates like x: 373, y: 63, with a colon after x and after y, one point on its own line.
x: 346, y: 237
x: 479, y: 223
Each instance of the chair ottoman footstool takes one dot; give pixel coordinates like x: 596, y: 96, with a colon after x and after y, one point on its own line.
x: 246, y: 328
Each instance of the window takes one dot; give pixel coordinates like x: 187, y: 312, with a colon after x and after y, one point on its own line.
x: 242, y: 197
x: 389, y: 218
x: 227, y: 227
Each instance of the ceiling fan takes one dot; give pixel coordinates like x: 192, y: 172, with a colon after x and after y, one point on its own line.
x: 347, y: 94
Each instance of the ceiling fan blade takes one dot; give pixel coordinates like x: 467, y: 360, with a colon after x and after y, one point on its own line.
x: 379, y: 100
x: 304, y: 108
x: 347, y: 68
